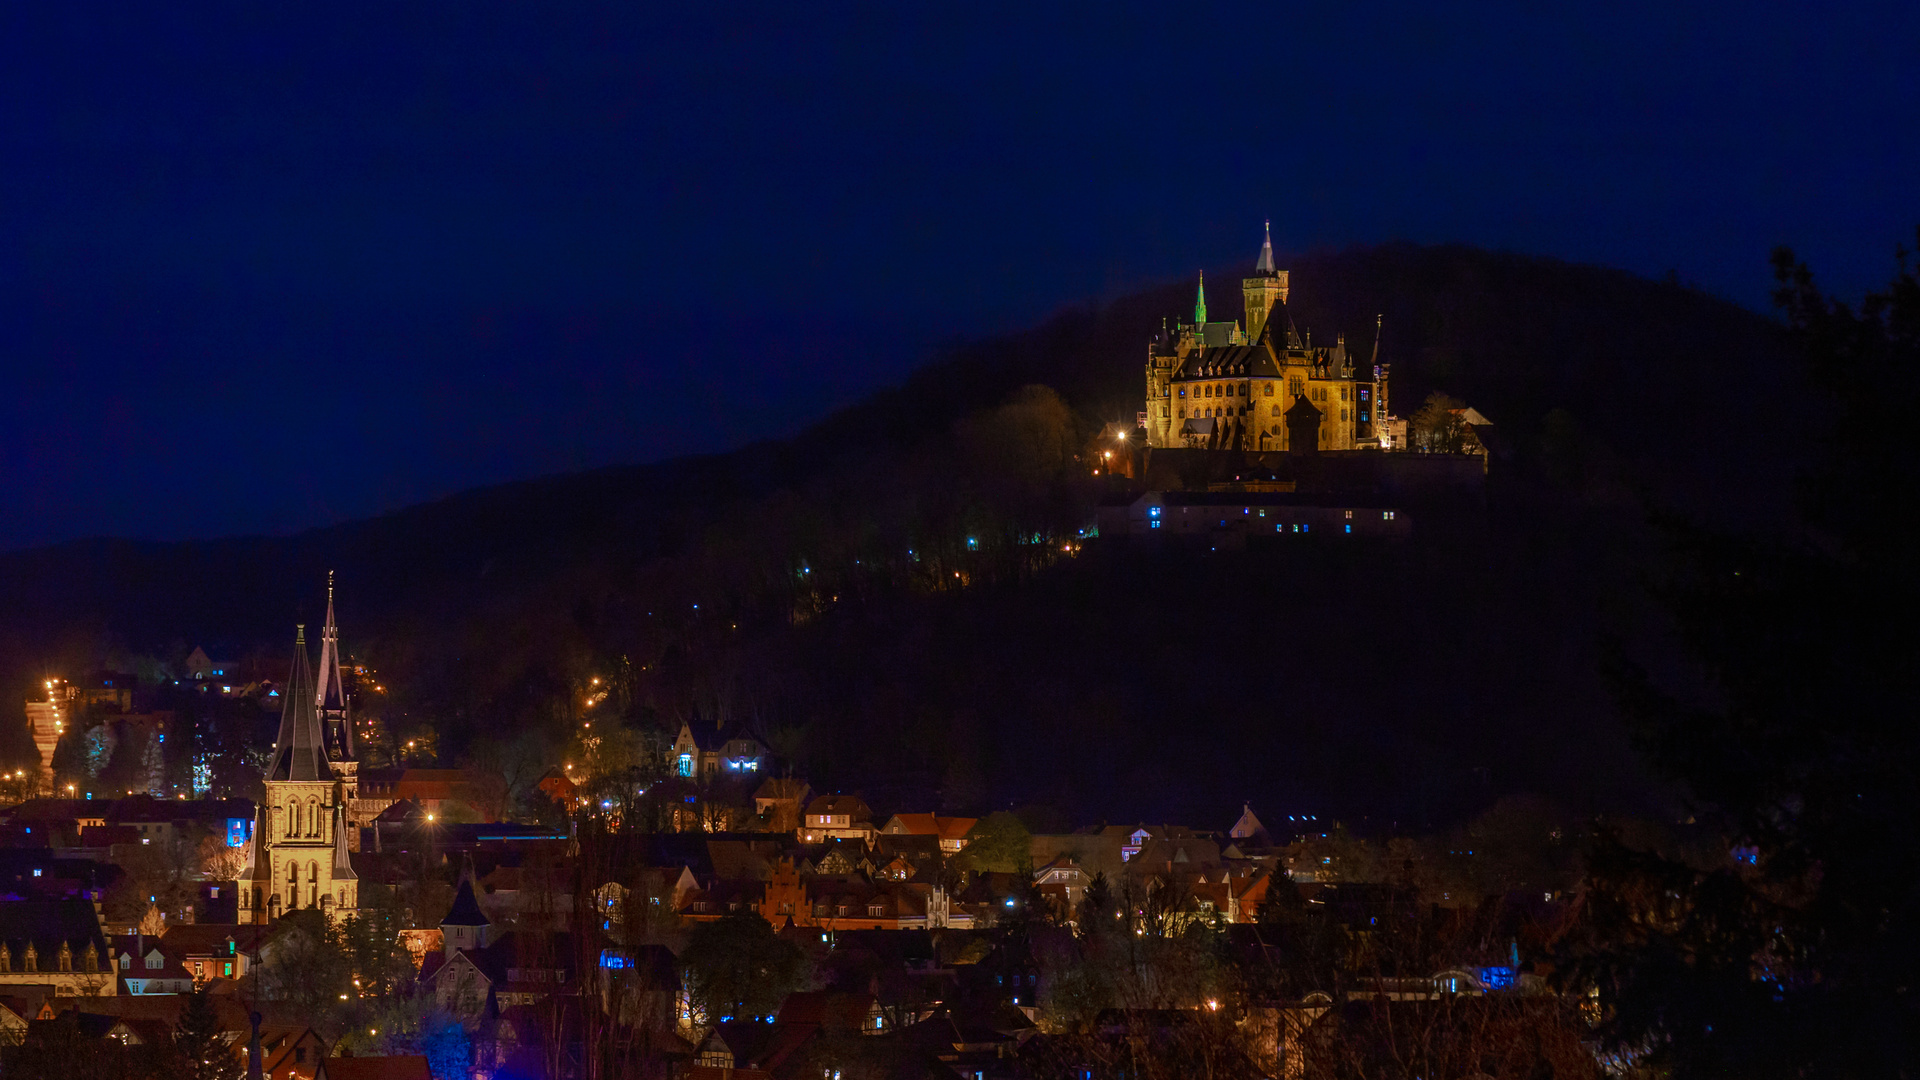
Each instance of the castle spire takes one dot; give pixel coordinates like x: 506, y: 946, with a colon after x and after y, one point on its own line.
x: 1200, y: 302
x: 1265, y: 265
x: 331, y: 697
x: 300, y: 751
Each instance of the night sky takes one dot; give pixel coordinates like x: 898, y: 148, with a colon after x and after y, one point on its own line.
x: 262, y: 270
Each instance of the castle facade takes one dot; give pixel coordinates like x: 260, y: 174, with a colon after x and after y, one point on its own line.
x: 1261, y: 386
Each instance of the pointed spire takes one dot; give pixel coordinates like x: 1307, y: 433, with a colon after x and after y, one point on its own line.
x: 1375, y: 362
x: 300, y: 751
x: 342, y: 860
x: 331, y: 697
x: 1200, y: 302
x: 1265, y: 265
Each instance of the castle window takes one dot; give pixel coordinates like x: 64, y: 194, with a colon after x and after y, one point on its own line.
x: 1276, y: 412
x: 1269, y: 389
x: 1183, y: 391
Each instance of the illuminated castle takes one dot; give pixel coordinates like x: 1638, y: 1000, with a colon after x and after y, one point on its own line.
x: 1262, y: 388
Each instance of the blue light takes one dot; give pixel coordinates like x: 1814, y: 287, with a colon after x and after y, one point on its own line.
x: 1009, y: 901
x: 973, y: 544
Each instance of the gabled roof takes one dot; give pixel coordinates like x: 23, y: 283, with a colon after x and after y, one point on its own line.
x: 852, y: 805
x: 946, y: 828
x: 1304, y: 409
x: 779, y: 788
x: 391, y: 1067
x: 300, y: 751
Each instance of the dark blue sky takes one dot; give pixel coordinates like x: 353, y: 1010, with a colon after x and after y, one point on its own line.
x: 262, y: 269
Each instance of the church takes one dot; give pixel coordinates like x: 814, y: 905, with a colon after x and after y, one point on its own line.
x: 1261, y: 386
x: 302, y: 840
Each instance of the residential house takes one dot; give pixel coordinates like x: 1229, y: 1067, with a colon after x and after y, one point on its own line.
x: 951, y: 831
x: 778, y: 803
x: 56, y: 943
x: 837, y: 817
x: 145, y: 967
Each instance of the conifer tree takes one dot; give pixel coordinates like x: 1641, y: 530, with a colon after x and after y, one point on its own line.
x: 202, y: 1044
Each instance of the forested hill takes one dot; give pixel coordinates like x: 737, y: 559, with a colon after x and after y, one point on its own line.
x: 483, y: 609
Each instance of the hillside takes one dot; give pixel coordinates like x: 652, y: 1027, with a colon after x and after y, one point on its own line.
x: 1414, y: 681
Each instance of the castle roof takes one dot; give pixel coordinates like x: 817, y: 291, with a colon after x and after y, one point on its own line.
x: 1303, y: 408
x: 1265, y: 267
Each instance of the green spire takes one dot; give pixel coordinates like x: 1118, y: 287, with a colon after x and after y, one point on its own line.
x: 1200, y: 302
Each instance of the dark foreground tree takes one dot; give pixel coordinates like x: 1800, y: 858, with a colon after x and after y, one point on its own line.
x: 204, y: 1053
x: 1792, y: 952
x: 736, y: 966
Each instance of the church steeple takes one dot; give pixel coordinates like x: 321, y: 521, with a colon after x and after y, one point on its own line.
x: 1200, y: 302
x: 1265, y: 265
x: 331, y: 698
x: 300, y: 751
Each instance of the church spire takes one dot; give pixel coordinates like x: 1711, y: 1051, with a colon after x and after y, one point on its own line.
x: 331, y: 697
x: 342, y: 861
x: 300, y: 751
x: 1200, y: 302
x: 1265, y: 265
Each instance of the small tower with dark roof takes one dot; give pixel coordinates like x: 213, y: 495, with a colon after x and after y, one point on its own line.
x: 466, y: 926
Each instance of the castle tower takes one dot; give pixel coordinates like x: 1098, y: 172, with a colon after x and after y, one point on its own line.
x: 1266, y: 287
x: 1200, y: 302
x: 298, y: 858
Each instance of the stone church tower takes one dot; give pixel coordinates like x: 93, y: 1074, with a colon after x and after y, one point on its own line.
x: 299, y: 856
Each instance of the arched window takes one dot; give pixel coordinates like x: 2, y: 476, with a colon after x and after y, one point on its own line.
x: 1276, y: 410
x: 313, y: 878
x: 313, y: 816
x: 64, y: 961
x: 1269, y: 390
x: 293, y: 885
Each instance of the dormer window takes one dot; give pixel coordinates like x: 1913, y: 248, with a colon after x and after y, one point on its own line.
x: 65, y: 959
x: 6, y: 959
